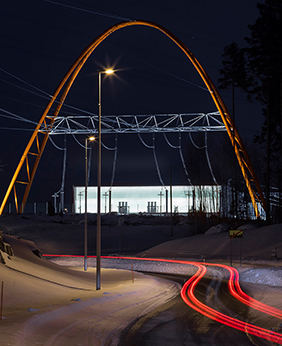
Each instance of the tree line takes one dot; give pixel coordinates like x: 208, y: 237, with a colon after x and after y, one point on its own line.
x: 256, y: 70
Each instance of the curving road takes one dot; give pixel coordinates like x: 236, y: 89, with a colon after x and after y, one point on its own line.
x: 177, y: 324
x: 190, y: 297
x: 209, y: 301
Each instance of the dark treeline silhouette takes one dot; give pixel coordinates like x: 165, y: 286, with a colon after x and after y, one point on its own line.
x: 256, y: 70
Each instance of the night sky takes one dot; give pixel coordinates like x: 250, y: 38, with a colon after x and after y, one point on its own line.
x: 41, y: 39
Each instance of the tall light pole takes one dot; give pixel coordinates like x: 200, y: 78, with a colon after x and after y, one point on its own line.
x: 85, y: 204
x: 98, y: 236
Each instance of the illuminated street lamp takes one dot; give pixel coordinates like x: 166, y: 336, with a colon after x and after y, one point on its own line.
x: 98, y: 239
x: 85, y: 204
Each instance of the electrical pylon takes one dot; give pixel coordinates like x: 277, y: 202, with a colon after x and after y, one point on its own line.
x: 36, y: 145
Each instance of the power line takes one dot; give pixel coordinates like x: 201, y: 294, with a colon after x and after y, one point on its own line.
x: 158, y: 68
x: 16, y: 117
x: 100, y: 13
x: 34, y: 93
x: 23, y: 81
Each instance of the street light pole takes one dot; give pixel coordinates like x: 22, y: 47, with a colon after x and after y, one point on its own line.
x: 98, y: 235
x: 85, y: 204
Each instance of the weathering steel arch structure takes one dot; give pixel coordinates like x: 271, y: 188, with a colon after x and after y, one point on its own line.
x: 35, y: 147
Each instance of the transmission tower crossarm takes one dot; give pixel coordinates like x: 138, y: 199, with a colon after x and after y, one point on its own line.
x: 140, y: 123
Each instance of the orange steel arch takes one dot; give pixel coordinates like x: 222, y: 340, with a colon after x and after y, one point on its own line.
x: 35, y: 146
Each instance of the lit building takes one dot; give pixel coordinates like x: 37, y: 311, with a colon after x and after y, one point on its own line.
x: 149, y: 199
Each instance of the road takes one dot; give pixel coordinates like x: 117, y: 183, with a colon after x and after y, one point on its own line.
x: 216, y: 311
x: 178, y: 324
x: 219, y: 301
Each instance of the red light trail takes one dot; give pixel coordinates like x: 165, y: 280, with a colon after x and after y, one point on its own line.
x: 188, y: 296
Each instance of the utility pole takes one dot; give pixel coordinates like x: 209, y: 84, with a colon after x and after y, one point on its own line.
x: 171, y: 218
x: 161, y: 195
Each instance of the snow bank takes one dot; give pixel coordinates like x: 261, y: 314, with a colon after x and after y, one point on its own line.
x: 271, y: 276
x: 48, y: 304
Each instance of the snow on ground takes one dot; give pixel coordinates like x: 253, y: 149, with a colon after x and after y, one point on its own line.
x: 54, y: 305
x: 50, y: 304
x: 270, y: 275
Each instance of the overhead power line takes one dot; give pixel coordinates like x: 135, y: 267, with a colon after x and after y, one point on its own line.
x: 99, y: 13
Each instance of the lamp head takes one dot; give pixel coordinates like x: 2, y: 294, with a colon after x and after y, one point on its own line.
x: 109, y: 71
